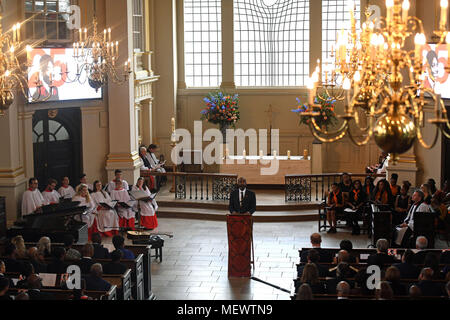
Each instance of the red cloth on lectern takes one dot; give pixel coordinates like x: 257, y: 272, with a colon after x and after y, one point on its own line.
x: 239, y: 245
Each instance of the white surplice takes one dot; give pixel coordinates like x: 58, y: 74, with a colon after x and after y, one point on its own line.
x: 32, y: 200
x: 123, y: 196
x: 67, y: 192
x: 89, y: 217
x: 148, y: 208
x: 112, y: 186
x: 107, y: 219
x: 51, y: 197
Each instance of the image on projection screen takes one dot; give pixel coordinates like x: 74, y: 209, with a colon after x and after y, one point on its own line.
x: 51, y: 64
x: 434, y: 61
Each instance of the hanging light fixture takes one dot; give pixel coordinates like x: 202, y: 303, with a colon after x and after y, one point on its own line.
x: 97, y: 56
x: 373, y: 65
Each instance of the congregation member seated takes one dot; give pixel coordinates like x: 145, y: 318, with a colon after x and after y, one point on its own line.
x: 405, y: 230
x: 316, y: 241
x: 106, y: 220
x: 368, y: 187
x: 99, y: 251
x: 44, y: 247
x: 432, y: 261
x: 34, y: 289
x: 4, y: 287
x: 361, y: 282
x: 395, y: 189
x: 414, y: 292
x: 21, y: 250
x: 112, y: 185
x: 156, y: 165
x: 313, y: 257
x: 10, y: 259
x: 335, y: 205
x: 343, y: 257
x: 304, y: 292
x: 94, y: 280
x: 58, y: 265
x: 83, y: 180
x: 381, y: 258
x: 401, y: 206
x: 347, y: 245
x: 71, y: 253
x: 356, y: 201
x: 343, y: 273
x: 32, y: 199
x: 124, y: 209
x: 432, y: 184
x: 382, y: 195
x: 50, y: 195
x: 66, y: 191
x: 427, y: 193
x: 441, y: 211
x: 37, y: 260
x: 346, y: 184
x: 421, y: 247
x: 407, y: 268
x: 310, y: 276
x: 2, y: 274
x: 147, y: 208
x: 27, y: 271
x: 119, y: 242
x: 85, y: 200
x: 386, y: 292
x: 115, y: 267
x: 393, y: 277
x: 343, y: 290
x: 79, y: 294
x: 86, y: 261
x: 426, y: 285
x: 144, y: 158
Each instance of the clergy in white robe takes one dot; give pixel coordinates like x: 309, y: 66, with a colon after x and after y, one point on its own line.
x: 85, y: 200
x: 66, y: 191
x: 112, y: 184
x: 126, y: 215
x: 154, y: 162
x: 107, y: 219
x: 406, y: 229
x: 147, y: 208
x: 51, y: 196
x: 32, y: 199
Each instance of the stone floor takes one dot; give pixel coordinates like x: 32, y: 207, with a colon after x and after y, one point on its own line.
x: 195, y: 260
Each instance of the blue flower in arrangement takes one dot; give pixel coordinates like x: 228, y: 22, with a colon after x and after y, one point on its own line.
x: 221, y: 108
x: 204, y: 111
x: 324, y: 105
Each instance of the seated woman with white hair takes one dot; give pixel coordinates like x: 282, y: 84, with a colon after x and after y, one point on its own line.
x: 83, y: 197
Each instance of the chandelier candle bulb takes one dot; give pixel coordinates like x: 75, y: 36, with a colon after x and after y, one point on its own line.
x: 405, y: 10
x: 85, y: 34
x: 18, y: 32
x: 104, y: 35
x: 390, y: 9
x: 443, y: 21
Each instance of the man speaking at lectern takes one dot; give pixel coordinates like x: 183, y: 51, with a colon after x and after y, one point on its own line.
x: 242, y: 200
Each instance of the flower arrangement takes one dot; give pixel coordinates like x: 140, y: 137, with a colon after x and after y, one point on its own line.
x: 327, y: 116
x: 221, y: 108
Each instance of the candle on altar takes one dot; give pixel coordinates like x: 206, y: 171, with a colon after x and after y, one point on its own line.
x: 227, y: 153
x: 289, y: 154
x: 244, y: 154
x: 274, y: 153
x: 261, y: 154
x: 305, y: 154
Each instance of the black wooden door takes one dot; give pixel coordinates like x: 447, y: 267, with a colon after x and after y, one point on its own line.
x: 57, y: 145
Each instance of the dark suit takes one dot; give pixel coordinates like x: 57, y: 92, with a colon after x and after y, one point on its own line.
x: 146, y: 162
x: 445, y: 257
x: 430, y: 288
x: 85, y: 265
x: 398, y: 288
x: 96, y: 283
x: 419, y: 257
x: 114, y: 268
x: 407, y: 271
x: 100, y: 252
x: 12, y: 265
x: 325, y: 255
x: 380, y: 259
x: 248, y: 203
x: 39, y: 267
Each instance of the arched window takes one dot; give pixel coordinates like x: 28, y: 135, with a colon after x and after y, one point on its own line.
x: 271, y: 42
x: 56, y: 132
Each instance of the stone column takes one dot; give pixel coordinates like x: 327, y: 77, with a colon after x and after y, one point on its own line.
x: 123, y: 140
x: 315, y: 33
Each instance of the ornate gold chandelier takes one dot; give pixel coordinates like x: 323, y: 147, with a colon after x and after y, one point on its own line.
x: 13, y: 73
x: 97, y: 57
x: 383, y: 81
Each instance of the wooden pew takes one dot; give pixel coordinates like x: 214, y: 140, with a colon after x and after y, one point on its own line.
x: 61, y: 294
x: 364, y: 297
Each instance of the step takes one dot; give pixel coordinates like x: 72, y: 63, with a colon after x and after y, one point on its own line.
x: 220, y: 214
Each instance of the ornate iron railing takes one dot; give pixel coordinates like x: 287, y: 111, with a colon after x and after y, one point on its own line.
x: 199, y: 186
x: 309, y: 188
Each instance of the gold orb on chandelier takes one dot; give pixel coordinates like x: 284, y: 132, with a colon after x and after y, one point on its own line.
x: 6, y: 99
x: 395, y: 133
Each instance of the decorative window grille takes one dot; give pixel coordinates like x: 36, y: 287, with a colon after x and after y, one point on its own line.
x: 203, y: 42
x: 271, y: 42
